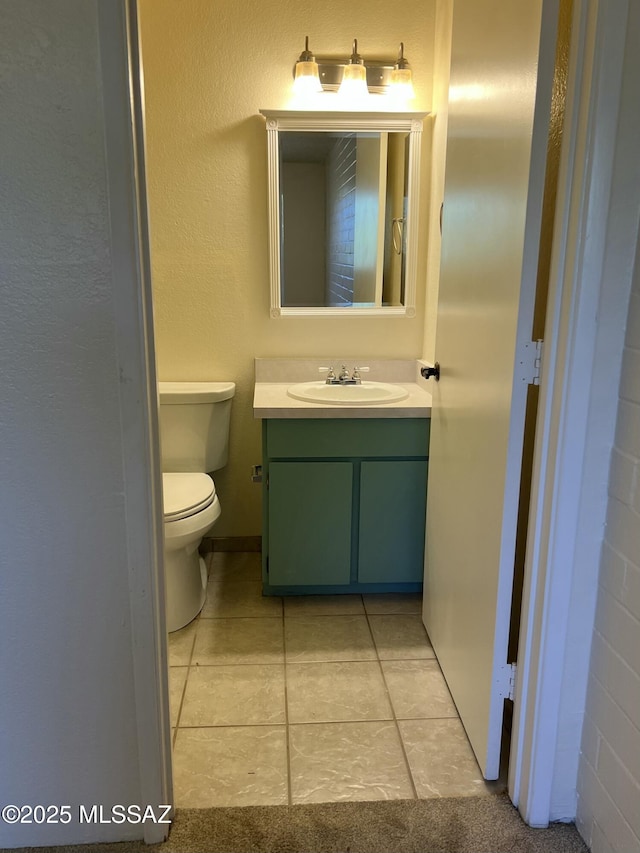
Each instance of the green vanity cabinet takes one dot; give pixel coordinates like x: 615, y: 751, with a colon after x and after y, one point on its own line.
x: 344, y: 504
x: 393, y: 503
x: 310, y: 523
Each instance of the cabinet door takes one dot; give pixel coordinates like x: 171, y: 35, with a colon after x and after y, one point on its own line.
x: 310, y: 523
x: 393, y: 497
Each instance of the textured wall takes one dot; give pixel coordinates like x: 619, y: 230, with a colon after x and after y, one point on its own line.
x: 304, y: 257
x: 437, y: 145
x: 209, y: 68
x: 609, y: 780
x: 67, y: 721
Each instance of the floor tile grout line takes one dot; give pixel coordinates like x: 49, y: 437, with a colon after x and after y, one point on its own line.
x: 280, y: 725
x: 362, y: 660
x: 314, y: 723
x: 184, y: 688
x: 182, y: 695
x: 260, y: 664
x: 341, y: 722
x: 315, y: 660
x: 290, y: 661
x: 241, y: 616
x: 395, y: 718
x: 325, y: 615
x: 199, y: 665
x: 286, y: 710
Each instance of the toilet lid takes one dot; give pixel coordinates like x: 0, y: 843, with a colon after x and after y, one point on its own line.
x: 186, y: 494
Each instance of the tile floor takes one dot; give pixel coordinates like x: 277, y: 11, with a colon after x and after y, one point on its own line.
x: 310, y: 699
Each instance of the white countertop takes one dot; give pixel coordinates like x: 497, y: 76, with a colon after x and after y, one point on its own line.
x: 270, y: 400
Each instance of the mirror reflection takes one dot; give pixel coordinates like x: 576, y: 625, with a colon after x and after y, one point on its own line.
x: 343, y: 218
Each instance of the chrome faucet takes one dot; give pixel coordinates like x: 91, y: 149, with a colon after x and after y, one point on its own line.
x: 344, y: 378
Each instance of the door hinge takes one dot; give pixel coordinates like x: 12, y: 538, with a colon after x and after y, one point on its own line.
x: 507, y: 680
x: 537, y: 362
x: 531, y: 362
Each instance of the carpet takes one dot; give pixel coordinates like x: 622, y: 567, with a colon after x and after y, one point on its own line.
x: 452, y: 825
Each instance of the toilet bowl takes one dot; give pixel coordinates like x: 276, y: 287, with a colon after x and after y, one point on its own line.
x: 191, y: 507
x: 194, y: 438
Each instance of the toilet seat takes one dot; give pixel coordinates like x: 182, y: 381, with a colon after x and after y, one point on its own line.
x: 186, y: 494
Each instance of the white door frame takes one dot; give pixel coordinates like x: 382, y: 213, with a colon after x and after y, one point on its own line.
x: 571, y: 380
x: 124, y: 147
x: 598, y: 192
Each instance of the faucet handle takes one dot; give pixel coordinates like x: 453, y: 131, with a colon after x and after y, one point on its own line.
x: 358, y: 370
x: 330, y: 374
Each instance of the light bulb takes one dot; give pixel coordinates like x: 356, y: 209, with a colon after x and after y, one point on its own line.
x: 354, y: 79
x: 307, y: 79
x: 401, y: 88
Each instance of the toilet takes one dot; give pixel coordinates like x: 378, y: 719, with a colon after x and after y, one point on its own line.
x: 194, y: 440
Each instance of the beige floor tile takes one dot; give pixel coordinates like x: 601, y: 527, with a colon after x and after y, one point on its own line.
x: 400, y: 637
x: 322, y: 605
x: 441, y: 761
x: 418, y: 689
x: 236, y: 641
x: 331, y: 692
x: 334, y: 762
x: 232, y: 566
x: 177, y: 679
x: 244, y: 766
x: 181, y: 644
x: 234, y: 696
x: 392, y: 602
x: 326, y: 638
x: 227, y: 599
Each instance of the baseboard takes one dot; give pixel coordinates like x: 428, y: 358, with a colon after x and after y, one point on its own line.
x: 231, y: 543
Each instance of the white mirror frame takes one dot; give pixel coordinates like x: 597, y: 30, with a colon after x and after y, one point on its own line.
x: 380, y: 122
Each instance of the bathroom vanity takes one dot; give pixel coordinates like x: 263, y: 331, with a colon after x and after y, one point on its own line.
x: 344, y: 492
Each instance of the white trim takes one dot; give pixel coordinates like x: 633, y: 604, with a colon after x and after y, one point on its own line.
x: 123, y: 110
x: 347, y: 311
x: 292, y: 120
x: 571, y: 383
x: 328, y: 120
x: 382, y: 198
x: 523, y: 358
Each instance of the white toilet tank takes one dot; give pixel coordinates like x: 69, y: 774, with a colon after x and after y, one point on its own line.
x: 194, y: 425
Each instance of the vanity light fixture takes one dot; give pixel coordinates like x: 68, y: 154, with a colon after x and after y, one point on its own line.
x: 307, y: 80
x: 401, y: 82
x: 354, y: 78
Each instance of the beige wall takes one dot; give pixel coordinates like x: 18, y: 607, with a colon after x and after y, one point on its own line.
x: 206, y: 165
x: 437, y: 157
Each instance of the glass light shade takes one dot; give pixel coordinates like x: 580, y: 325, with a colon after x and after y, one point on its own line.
x: 401, y: 84
x: 307, y: 79
x: 354, y: 82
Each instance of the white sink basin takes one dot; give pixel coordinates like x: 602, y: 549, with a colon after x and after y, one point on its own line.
x: 347, y: 395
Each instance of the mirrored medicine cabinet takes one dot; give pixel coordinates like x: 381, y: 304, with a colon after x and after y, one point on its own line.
x: 343, y: 212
